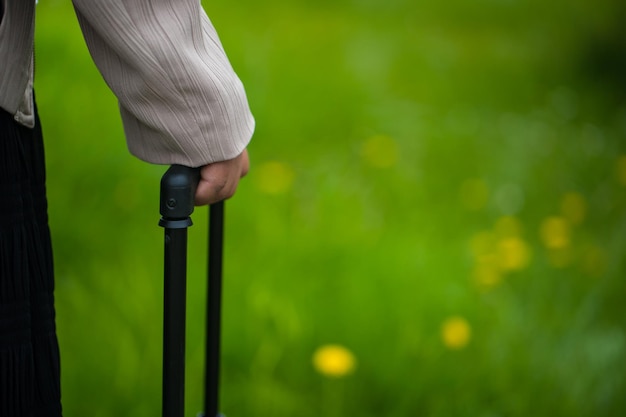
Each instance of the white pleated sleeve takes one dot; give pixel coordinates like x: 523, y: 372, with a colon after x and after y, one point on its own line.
x: 180, y: 99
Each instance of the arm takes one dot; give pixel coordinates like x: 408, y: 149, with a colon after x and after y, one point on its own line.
x: 180, y: 100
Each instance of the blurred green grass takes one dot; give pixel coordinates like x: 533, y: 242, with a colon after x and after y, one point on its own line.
x: 391, y: 138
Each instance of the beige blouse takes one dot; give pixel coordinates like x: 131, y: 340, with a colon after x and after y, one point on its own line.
x: 180, y: 100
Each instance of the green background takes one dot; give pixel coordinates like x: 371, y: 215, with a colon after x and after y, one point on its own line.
x: 390, y: 134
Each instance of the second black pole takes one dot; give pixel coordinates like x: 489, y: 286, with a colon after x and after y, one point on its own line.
x: 214, y: 307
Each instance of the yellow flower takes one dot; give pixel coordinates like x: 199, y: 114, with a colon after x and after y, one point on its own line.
x: 274, y: 177
x: 496, y: 253
x: 555, y: 232
x: 574, y: 208
x: 513, y: 254
x: 456, y: 333
x: 334, y: 361
x: 474, y: 194
x: 380, y: 151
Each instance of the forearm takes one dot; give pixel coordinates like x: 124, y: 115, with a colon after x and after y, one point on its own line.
x: 180, y: 100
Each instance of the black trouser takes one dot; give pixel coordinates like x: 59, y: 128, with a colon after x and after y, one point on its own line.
x: 29, y: 353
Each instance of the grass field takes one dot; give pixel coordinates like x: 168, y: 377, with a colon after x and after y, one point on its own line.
x: 434, y: 223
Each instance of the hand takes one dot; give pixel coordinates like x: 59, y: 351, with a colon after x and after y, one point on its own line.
x: 218, y: 181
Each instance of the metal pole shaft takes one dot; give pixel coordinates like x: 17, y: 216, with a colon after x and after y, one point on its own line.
x: 214, y: 305
x: 174, y: 322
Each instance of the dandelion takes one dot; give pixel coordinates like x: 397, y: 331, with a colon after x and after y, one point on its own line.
x: 555, y: 232
x: 574, y: 208
x: 456, y: 333
x: 334, y: 361
x: 380, y: 151
x: 274, y: 177
x: 513, y: 254
x: 499, y: 252
x: 474, y: 194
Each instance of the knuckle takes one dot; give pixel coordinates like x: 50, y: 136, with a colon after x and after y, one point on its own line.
x: 222, y: 190
x: 244, y: 170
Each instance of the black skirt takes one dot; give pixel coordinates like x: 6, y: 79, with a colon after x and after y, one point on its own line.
x: 29, y: 353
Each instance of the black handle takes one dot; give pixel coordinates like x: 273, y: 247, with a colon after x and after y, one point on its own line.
x: 178, y: 189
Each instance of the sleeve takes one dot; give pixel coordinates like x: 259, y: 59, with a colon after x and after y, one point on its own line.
x: 180, y: 99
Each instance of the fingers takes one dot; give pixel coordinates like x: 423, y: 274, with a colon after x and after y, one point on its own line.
x: 218, y: 181
x: 245, y: 167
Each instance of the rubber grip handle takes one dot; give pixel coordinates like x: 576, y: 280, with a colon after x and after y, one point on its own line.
x: 178, y: 190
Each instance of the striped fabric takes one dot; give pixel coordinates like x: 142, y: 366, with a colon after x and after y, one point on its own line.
x: 180, y: 99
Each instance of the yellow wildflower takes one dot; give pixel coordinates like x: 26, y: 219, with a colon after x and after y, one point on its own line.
x: 513, y: 254
x: 496, y: 253
x: 334, y: 361
x: 456, y: 333
x: 555, y: 232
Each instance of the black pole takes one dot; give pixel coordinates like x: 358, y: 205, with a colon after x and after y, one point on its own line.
x: 178, y: 186
x: 214, y: 306
x: 174, y: 302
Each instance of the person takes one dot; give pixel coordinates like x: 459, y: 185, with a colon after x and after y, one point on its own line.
x: 181, y: 103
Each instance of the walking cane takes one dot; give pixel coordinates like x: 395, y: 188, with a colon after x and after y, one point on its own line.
x: 178, y: 187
